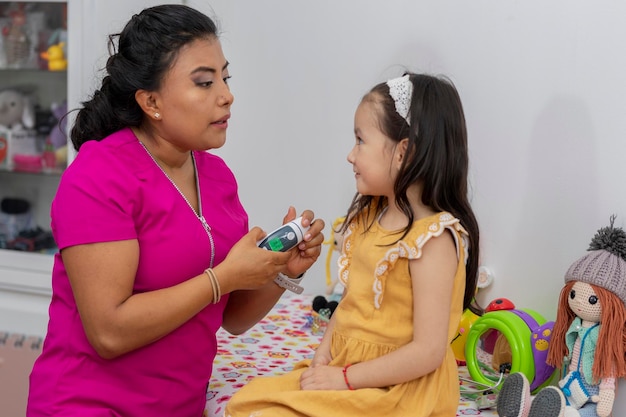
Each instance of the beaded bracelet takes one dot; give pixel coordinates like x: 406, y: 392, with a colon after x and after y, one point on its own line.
x: 345, y: 376
x: 215, y: 285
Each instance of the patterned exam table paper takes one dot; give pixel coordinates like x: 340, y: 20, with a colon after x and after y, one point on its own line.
x: 283, y: 338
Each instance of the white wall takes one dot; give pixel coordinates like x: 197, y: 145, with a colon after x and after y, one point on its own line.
x: 544, y: 95
x: 545, y: 100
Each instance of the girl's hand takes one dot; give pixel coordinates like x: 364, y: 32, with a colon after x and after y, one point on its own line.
x: 320, y: 360
x: 323, y: 378
x: 309, y: 250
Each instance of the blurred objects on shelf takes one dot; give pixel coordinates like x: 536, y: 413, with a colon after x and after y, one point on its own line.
x: 17, y: 109
x: 30, y: 29
x: 17, y: 43
x: 15, y: 217
x: 55, y: 57
x: 32, y: 240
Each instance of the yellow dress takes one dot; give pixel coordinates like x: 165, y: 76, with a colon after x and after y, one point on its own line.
x: 375, y: 317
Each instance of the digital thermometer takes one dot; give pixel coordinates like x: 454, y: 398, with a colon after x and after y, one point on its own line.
x: 285, y: 237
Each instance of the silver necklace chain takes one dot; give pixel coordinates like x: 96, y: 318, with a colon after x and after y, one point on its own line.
x: 199, y: 214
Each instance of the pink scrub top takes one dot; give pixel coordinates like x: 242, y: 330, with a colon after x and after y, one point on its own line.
x: 113, y: 191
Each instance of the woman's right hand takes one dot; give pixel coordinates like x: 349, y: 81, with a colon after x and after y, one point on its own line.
x: 248, y: 267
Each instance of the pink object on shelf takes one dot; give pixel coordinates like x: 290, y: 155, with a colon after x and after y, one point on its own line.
x: 27, y: 163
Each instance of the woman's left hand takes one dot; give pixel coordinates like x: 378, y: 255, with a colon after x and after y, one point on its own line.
x: 310, y: 248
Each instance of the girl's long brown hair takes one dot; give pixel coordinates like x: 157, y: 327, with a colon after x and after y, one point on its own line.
x: 610, y: 354
x: 436, y: 157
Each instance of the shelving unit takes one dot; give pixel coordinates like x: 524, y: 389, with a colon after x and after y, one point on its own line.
x: 25, y: 287
x: 25, y: 278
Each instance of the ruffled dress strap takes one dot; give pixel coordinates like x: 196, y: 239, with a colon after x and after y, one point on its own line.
x: 410, y: 247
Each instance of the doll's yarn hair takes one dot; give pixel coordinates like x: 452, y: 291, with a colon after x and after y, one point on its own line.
x: 610, y: 354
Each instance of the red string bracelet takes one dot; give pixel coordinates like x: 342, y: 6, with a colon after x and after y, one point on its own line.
x: 345, y: 376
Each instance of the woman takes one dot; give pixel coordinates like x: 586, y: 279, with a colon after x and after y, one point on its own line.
x: 154, y: 249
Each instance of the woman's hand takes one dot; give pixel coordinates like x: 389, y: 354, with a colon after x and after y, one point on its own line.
x: 308, y: 250
x: 248, y: 267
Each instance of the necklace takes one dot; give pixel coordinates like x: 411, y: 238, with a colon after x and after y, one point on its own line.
x: 199, y: 214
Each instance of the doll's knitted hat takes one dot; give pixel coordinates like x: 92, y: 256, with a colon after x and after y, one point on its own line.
x: 605, y: 264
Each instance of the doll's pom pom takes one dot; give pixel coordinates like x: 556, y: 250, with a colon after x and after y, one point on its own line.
x: 612, y: 239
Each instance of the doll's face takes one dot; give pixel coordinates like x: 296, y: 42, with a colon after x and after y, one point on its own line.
x: 584, y: 302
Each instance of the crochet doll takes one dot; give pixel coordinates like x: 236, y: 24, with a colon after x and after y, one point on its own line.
x: 589, y: 332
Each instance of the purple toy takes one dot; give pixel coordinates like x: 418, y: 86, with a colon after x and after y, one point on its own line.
x: 58, y: 134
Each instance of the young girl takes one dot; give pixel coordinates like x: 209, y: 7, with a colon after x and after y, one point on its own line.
x: 409, y: 264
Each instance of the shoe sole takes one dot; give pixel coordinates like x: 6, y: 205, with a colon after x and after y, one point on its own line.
x: 549, y: 402
x: 514, y: 397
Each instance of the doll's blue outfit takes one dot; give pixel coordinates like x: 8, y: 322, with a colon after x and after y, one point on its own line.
x: 582, y: 377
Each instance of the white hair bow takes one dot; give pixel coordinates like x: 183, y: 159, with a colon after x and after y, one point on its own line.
x: 400, y: 90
